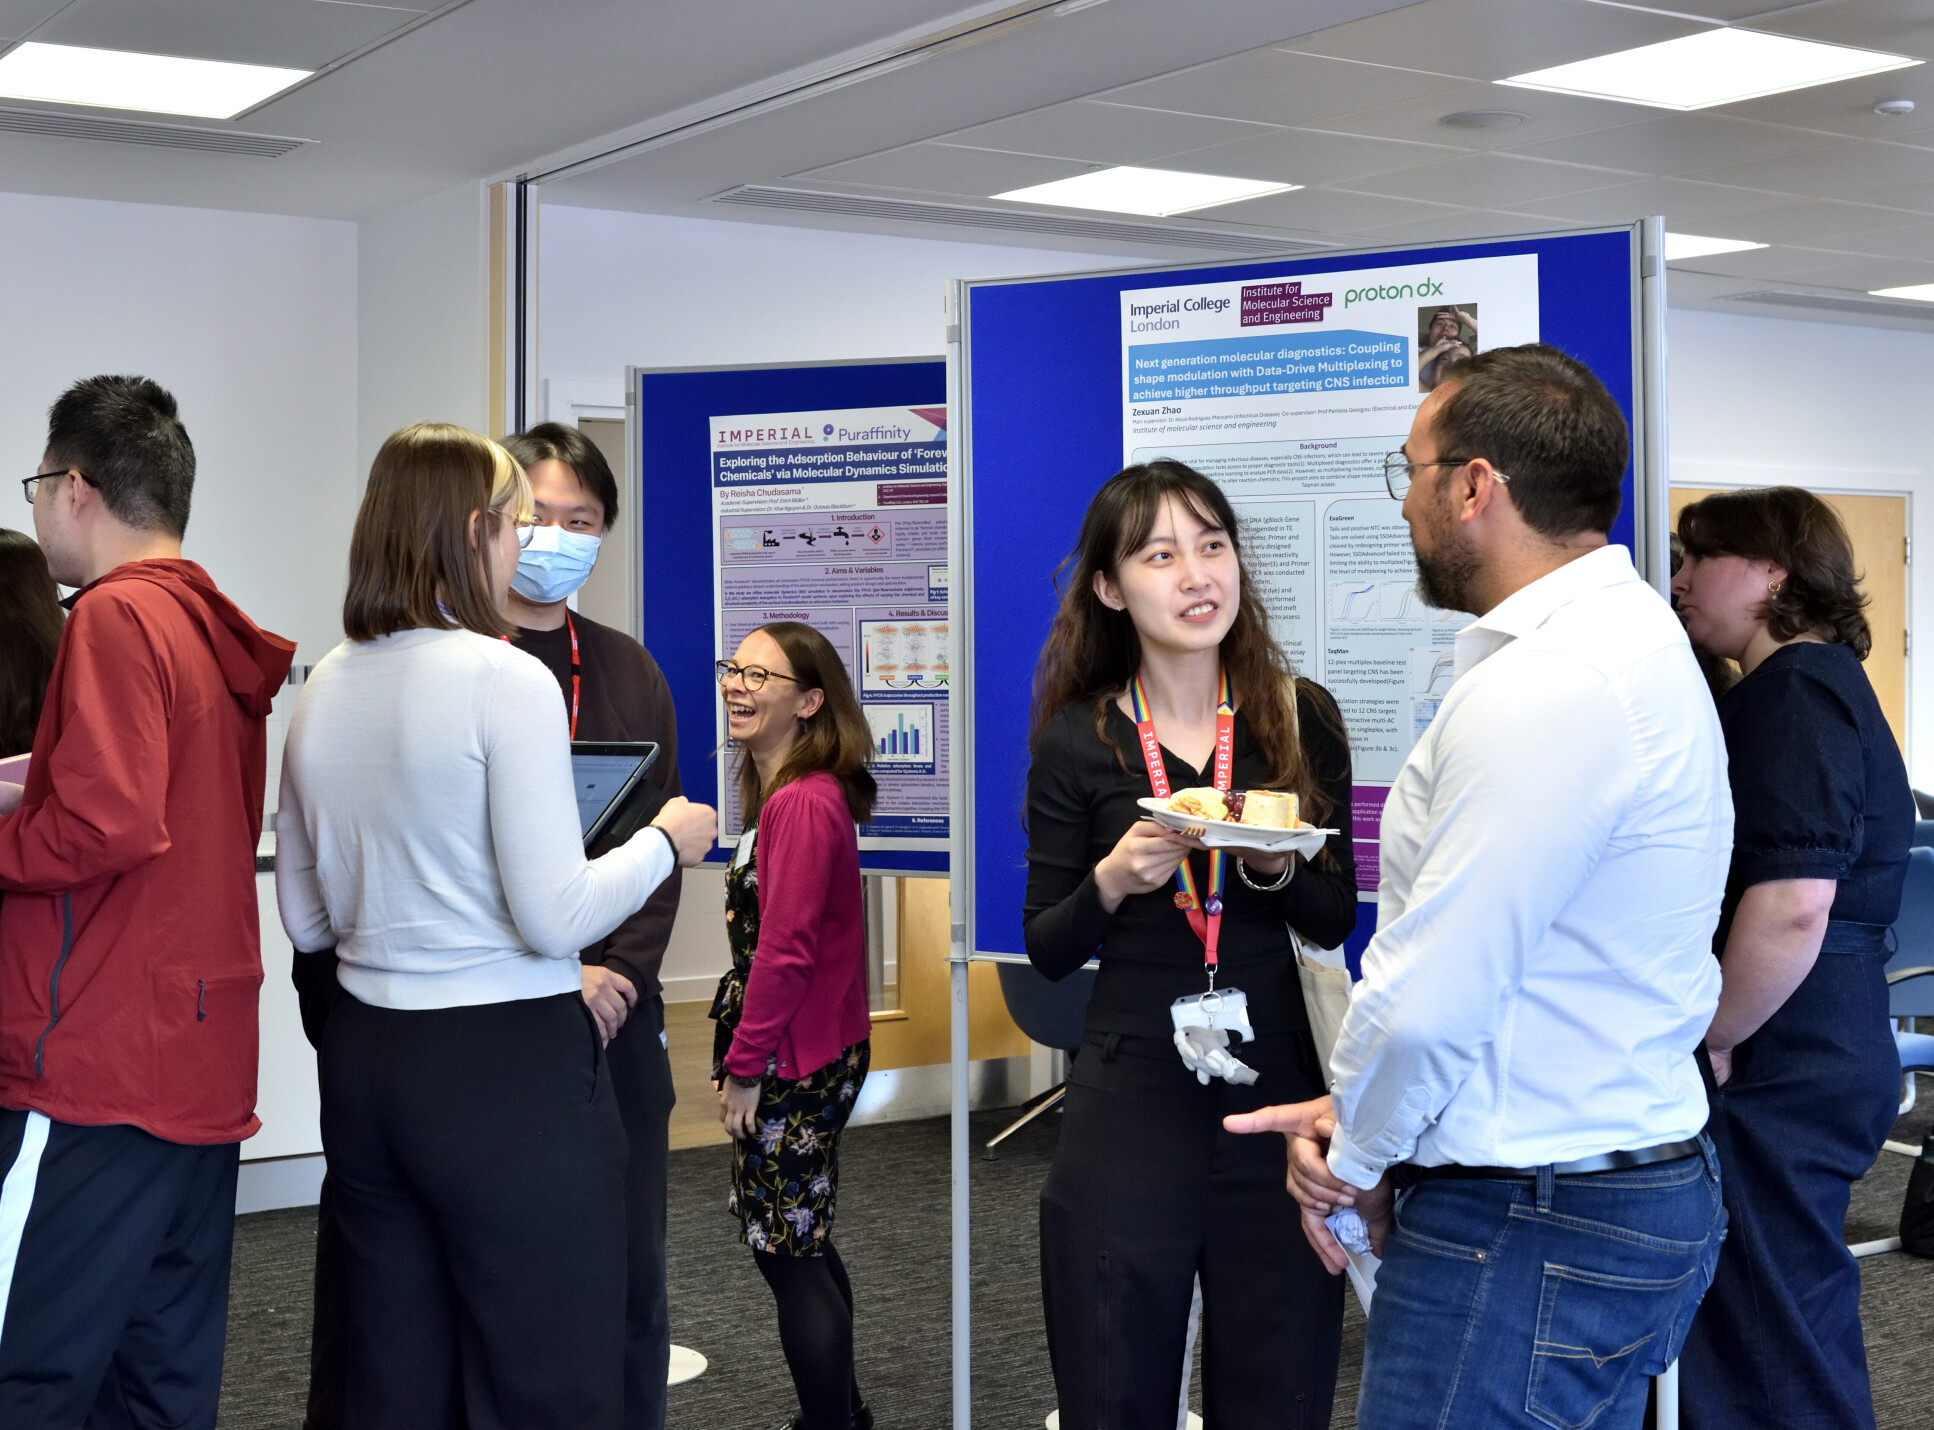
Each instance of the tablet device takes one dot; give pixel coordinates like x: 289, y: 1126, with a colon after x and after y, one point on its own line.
x: 614, y: 798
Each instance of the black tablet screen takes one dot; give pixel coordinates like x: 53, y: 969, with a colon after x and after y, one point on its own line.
x: 599, y: 780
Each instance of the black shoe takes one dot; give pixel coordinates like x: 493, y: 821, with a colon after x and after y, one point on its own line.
x: 862, y: 1420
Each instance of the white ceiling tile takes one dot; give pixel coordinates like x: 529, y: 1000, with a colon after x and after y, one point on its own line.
x: 1310, y: 156
x: 1863, y: 275
x: 1328, y: 211
x: 1848, y: 108
x: 1276, y: 87
x: 298, y: 34
x: 1678, y: 144
x: 1688, y: 207
x: 1915, y: 241
x: 1759, y: 263
x: 1455, y: 224
x: 1818, y: 223
x: 1917, y: 197
x: 17, y: 17
x: 1419, y: 119
x: 1491, y: 181
x: 1849, y: 169
x: 1490, y: 39
x: 1904, y: 27
x: 1104, y: 133
x: 945, y: 169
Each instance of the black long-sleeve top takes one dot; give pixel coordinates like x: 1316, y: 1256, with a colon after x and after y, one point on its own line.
x: 1081, y: 798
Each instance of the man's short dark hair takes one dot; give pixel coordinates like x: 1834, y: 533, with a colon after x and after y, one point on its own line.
x: 554, y: 442
x: 123, y: 435
x: 1543, y: 419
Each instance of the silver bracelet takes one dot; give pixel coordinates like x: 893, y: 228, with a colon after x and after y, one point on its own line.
x: 1242, y: 872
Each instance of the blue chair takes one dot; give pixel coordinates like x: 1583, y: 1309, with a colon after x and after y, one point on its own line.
x: 1051, y: 1014
x: 1924, y: 834
x: 1910, y: 971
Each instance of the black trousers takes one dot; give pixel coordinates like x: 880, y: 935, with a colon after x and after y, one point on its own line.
x: 478, y: 1160
x: 1777, y: 1341
x: 641, y: 1076
x: 114, y: 1257
x: 1146, y: 1193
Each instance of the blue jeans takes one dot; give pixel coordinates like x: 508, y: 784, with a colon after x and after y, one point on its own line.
x: 1546, y: 1303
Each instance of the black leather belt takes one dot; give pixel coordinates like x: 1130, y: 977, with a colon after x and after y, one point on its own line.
x: 1408, y: 1173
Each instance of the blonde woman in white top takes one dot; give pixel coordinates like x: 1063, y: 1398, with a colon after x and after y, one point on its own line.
x: 427, y: 831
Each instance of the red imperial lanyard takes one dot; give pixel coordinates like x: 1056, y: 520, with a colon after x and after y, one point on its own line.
x: 577, y: 674
x: 1205, y: 917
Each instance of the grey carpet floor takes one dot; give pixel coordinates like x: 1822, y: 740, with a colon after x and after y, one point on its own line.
x: 893, y: 1234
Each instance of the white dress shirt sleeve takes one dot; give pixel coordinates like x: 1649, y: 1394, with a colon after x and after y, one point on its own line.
x: 1532, y: 761
x: 560, y: 902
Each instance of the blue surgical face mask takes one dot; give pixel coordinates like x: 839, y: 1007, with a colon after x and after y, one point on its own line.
x: 555, y: 564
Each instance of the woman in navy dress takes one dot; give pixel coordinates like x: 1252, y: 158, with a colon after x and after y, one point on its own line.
x: 1801, y: 1050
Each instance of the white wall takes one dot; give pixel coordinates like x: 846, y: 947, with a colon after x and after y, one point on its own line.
x: 1817, y: 405
x: 250, y: 320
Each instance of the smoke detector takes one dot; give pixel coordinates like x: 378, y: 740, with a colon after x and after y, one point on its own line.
x: 1894, y: 108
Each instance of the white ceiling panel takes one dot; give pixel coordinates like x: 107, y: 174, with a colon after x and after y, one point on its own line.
x: 1326, y: 211
x: 1863, y: 275
x: 297, y: 34
x: 1763, y: 264
x: 1491, y: 181
x: 1914, y: 240
x: 1419, y: 119
x: 1917, y: 197
x: 1846, y: 170
x: 1490, y: 39
x: 1821, y: 223
x: 1848, y: 108
x: 18, y: 18
x: 945, y: 169
x: 1464, y: 223
x: 1310, y: 156
x: 1905, y: 27
x: 1680, y: 143
x: 1688, y: 207
x: 1104, y: 133
x: 1276, y: 87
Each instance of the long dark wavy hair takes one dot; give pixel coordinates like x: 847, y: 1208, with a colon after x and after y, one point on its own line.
x: 29, y: 638
x: 1790, y: 527
x: 1093, y: 651
x: 834, y: 738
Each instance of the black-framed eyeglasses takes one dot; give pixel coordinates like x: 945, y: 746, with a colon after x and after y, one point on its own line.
x: 752, y: 677
x: 1397, y: 468
x: 31, y: 485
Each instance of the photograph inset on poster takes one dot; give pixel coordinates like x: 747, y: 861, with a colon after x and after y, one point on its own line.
x: 1289, y: 393
x: 839, y: 519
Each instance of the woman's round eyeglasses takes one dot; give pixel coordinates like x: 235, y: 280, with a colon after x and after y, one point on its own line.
x: 752, y: 677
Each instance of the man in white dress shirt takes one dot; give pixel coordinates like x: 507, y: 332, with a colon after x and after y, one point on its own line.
x: 1516, y: 1111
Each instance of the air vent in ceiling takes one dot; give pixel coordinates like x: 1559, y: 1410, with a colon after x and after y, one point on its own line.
x: 1866, y: 307
x: 63, y: 125
x: 1010, y: 220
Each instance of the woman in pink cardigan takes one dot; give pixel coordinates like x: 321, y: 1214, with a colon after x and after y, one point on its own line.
x: 791, y: 1048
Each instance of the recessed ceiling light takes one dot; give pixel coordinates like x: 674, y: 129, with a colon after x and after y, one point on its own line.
x: 1919, y: 292
x: 1691, y: 245
x: 119, y: 79
x: 1712, y: 67
x: 1154, y: 192
x: 1485, y: 119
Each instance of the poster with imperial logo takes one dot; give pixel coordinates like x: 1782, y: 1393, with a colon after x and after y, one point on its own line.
x: 838, y: 519
x: 1289, y: 393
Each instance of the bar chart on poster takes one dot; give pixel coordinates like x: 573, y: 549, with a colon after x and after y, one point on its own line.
x: 1288, y: 383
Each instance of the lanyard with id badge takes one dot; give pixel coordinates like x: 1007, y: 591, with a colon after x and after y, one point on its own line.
x: 1203, y: 1023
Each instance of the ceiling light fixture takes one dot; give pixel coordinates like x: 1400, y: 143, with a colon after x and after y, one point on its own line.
x: 1711, y: 67
x: 1919, y: 292
x: 120, y: 79
x: 1153, y: 192
x: 1690, y: 245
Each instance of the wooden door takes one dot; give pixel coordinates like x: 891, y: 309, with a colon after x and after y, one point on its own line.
x: 918, y: 1032
x: 1877, y: 526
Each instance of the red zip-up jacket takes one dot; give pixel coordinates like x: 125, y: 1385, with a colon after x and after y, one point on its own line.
x: 130, y: 947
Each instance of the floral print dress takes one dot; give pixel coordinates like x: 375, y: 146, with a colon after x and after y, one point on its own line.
x: 785, y: 1178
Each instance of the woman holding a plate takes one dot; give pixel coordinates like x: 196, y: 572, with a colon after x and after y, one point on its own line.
x: 1160, y: 675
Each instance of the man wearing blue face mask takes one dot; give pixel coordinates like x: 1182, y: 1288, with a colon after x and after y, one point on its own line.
x: 613, y: 690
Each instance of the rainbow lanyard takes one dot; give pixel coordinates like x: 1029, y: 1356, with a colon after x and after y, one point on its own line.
x: 1205, y: 916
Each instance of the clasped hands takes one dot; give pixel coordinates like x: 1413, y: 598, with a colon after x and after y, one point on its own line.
x: 1307, y: 1128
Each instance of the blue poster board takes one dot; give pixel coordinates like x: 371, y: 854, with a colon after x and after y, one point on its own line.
x: 671, y: 446
x: 1040, y: 412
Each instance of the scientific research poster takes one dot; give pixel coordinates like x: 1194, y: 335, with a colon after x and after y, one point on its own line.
x: 1289, y: 393
x: 839, y: 519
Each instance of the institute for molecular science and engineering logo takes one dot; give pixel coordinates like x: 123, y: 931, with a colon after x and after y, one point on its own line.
x: 1267, y: 304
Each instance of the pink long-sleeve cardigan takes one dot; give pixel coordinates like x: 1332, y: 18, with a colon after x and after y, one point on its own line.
x: 806, y: 997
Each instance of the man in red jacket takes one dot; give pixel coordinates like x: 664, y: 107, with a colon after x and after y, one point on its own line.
x: 130, y: 953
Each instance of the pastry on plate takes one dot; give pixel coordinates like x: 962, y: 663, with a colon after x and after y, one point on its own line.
x: 1269, y: 809
x: 1202, y: 803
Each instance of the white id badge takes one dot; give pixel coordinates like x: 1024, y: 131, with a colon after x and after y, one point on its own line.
x: 1226, y: 1009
